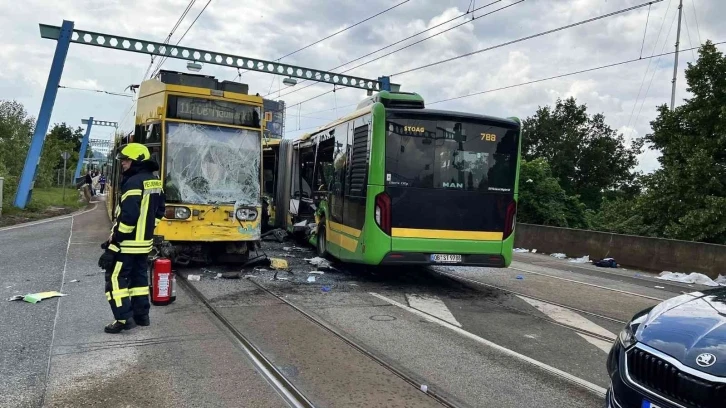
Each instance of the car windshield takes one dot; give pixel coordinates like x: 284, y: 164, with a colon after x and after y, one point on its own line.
x: 208, y: 164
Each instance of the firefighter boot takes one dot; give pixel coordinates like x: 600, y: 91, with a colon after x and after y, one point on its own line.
x: 119, y: 325
x: 142, y: 320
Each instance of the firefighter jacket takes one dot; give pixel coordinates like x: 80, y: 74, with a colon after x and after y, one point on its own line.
x: 140, y: 209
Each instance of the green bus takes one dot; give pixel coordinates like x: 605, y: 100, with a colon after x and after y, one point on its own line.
x: 397, y: 183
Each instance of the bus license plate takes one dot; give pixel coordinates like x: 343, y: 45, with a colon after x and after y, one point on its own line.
x: 445, y: 258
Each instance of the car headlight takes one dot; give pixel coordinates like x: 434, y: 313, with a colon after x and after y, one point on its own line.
x: 627, y: 338
x: 246, y: 214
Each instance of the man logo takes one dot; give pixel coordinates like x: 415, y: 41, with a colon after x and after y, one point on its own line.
x: 706, y: 360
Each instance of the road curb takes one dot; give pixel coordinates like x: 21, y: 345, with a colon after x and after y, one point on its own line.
x: 51, y: 219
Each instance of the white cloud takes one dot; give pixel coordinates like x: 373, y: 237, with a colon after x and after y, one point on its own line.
x: 272, y: 28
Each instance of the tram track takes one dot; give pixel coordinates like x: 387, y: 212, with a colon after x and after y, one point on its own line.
x: 292, y: 395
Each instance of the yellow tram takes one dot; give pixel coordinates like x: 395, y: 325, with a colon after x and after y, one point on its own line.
x: 206, y: 136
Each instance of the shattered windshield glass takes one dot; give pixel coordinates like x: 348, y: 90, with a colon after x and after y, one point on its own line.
x: 212, y: 164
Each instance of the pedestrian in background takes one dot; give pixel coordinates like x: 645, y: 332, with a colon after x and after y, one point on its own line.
x: 102, y: 182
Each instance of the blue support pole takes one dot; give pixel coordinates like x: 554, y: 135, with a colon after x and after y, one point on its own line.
x: 27, y: 178
x: 84, y: 146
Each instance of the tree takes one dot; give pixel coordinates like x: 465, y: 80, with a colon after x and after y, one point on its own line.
x: 543, y: 201
x: 585, y: 154
x: 60, y: 139
x: 686, y: 197
x: 16, y: 131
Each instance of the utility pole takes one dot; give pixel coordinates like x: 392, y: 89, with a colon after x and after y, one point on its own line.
x: 675, y: 65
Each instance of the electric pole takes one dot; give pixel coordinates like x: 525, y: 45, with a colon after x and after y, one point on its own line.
x: 675, y: 65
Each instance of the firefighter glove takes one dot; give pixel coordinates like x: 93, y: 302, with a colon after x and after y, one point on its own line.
x: 107, y: 260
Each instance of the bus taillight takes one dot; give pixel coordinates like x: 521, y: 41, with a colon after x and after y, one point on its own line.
x: 383, y: 212
x: 510, y: 219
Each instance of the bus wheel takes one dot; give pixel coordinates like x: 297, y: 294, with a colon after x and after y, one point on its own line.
x: 322, y: 243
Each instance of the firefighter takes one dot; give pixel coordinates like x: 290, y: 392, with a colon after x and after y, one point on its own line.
x: 125, y: 257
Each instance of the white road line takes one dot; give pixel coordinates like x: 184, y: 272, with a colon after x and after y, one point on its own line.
x: 434, y: 307
x: 601, y: 344
x: 57, y: 312
x: 600, y: 391
x: 60, y: 217
x: 588, y: 284
x: 568, y: 317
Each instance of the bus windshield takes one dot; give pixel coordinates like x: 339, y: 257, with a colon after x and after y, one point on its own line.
x: 208, y: 164
x: 448, y: 152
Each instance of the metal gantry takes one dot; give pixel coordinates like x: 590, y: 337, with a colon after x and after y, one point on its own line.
x: 86, y: 137
x: 67, y: 34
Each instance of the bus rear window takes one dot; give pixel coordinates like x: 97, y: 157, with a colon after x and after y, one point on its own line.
x: 425, y: 151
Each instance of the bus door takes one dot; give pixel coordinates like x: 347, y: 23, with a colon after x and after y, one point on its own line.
x: 356, y: 172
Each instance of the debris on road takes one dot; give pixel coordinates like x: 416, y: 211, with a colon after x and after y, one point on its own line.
x: 277, y: 263
x: 520, y: 277
x: 659, y: 287
x: 325, y: 288
x: 606, y: 263
x: 584, y: 259
x: 36, y: 297
x: 230, y: 275
x: 311, y: 279
x: 558, y: 255
x: 317, y: 272
x: 194, y: 277
x: 694, y: 277
x: 294, y: 248
x: 424, y: 388
x: 319, y: 262
x: 721, y: 280
x: 75, y: 281
x: 534, y: 251
x: 520, y: 250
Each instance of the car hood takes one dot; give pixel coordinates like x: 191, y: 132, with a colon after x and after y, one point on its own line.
x: 687, y: 326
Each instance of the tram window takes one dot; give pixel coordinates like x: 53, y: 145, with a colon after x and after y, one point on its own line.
x: 155, y: 156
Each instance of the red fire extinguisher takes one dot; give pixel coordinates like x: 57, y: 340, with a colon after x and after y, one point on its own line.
x: 163, y: 282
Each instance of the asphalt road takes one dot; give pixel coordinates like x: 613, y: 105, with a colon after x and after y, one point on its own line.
x: 55, y: 353
x: 536, y: 334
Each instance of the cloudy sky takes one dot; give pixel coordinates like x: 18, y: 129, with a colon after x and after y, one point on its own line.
x: 627, y: 94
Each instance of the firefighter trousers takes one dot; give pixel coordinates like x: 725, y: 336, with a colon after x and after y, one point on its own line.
x: 127, y: 287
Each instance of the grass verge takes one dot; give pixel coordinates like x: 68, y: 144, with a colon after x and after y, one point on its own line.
x: 45, y: 203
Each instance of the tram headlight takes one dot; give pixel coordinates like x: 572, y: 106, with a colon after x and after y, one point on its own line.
x: 246, y: 214
x: 177, y: 213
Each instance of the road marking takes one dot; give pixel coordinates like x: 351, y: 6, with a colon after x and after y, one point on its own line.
x: 57, y: 312
x: 552, y: 370
x: 58, y: 218
x: 601, y: 344
x: 568, y: 317
x: 434, y: 307
x: 588, y: 284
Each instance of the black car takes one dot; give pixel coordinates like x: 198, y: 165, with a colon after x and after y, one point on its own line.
x: 672, y: 355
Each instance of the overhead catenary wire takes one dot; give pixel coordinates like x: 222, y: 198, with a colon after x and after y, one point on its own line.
x: 97, y: 91
x: 615, y: 64
x: 297, y: 89
x: 171, y: 33
x: 553, y: 77
x: 163, y: 60
x: 647, y: 68
x: 334, y: 34
x: 645, y: 31
x: 529, y: 37
x: 688, y: 33
x: 695, y: 17
x: 655, y: 70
